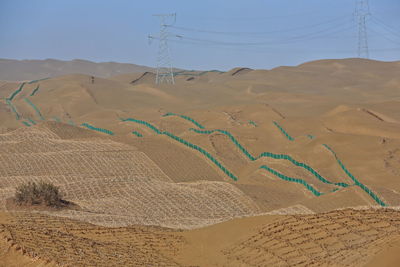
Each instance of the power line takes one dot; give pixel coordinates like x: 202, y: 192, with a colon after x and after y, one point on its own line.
x: 249, y: 18
x: 260, y: 33
x: 308, y: 36
x: 385, y: 26
x: 385, y: 37
x: 264, y: 51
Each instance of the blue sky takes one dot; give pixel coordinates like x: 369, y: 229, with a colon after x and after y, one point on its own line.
x: 215, y: 34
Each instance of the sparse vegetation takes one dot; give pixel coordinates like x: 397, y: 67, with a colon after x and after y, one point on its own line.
x: 41, y: 193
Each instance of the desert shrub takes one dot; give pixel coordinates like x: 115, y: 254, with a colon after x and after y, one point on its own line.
x: 41, y: 193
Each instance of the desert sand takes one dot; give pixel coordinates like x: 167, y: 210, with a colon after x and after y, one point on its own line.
x: 294, y: 166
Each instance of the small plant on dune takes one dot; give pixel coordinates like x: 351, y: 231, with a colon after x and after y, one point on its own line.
x: 41, y: 193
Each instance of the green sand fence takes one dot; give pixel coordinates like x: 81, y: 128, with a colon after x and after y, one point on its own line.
x: 217, y: 163
x: 186, y: 118
x: 270, y: 155
x: 293, y: 180
x: 186, y: 143
x: 137, y: 134
x: 35, y: 91
x: 35, y: 108
x: 35, y: 81
x: 16, y: 92
x: 253, y: 123
x: 13, y: 109
x: 283, y: 131
x: 264, y: 154
x: 57, y: 119
x: 355, y: 180
x: 97, y: 129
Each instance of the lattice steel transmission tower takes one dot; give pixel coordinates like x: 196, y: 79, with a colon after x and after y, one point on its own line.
x: 361, y: 14
x: 164, y: 62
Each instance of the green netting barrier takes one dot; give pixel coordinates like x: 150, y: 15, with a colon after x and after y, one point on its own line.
x: 193, y: 72
x: 204, y: 72
x: 137, y: 134
x: 283, y: 131
x: 148, y: 125
x: 16, y: 92
x: 26, y: 123
x: 32, y: 121
x: 186, y: 118
x: 57, y: 119
x: 35, y: 108
x: 293, y: 180
x: 269, y: 155
x: 13, y: 109
x: 289, y: 158
x: 70, y: 122
x: 186, y: 143
x: 35, y: 91
x: 35, y: 81
x: 253, y: 123
x: 97, y: 129
x: 356, y: 182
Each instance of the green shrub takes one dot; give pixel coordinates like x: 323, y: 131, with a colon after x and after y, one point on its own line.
x: 41, y: 193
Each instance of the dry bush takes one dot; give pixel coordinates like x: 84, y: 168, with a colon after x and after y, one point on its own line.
x: 41, y: 193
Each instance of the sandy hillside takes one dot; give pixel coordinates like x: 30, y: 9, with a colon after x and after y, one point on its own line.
x: 20, y: 70
x: 230, y: 156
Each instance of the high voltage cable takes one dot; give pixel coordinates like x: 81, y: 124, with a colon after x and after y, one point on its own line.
x: 259, y: 33
x: 385, y: 26
x: 390, y: 27
x: 268, y: 51
x: 313, y: 35
x: 384, y: 36
x: 250, y: 18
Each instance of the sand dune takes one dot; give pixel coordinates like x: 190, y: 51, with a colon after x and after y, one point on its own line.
x: 20, y: 70
x: 293, y: 148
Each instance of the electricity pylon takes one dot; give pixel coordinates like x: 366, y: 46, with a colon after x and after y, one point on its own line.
x: 361, y: 14
x: 164, y: 63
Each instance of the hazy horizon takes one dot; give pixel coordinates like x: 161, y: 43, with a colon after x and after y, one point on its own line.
x: 260, y: 34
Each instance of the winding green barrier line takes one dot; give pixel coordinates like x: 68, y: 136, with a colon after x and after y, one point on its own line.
x: 97, y: 129
x: 35, y: 91
x: 283, y: 131
x: 190, y: 72
x: 295, y: 162
x: 35, y: 81
x: 186, y: 143
x: 253, y: 123
x: 269, y: 155
x: 13, y: 109
x: 57, y: 119
x: 32, y: 121
x: 294, y: 180
x: 264, y: 154
x: 16, y: 92
x: 137, y: 134
x: 186, y: 118
x: 26, y: 123
x: 356, y: 182
x: 35, y: 108
x: 219, y: 165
